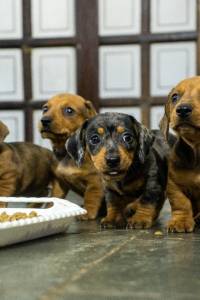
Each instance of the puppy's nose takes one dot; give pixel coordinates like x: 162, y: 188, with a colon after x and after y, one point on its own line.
x: 46, y: 121
x: 113, y: 161
x: 184, y: 110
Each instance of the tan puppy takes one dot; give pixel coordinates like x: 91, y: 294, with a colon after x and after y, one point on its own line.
x: 26, y: 169
x: 182, y: 114
x: 62, y: 116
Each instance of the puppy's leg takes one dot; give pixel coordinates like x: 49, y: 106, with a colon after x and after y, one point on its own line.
x: 130, y: 209
x: 57, y: 190
x: 182, y: 214
x: 144, y: 216
x: 92, y: 198
x: 152, y: 199
x: 115, y: 210
x: 8, y: 184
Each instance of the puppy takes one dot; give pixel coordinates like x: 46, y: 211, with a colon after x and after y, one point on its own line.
x: 182, y: 114
x: 62, y: 115
x: 26, y: 169
x: 132, y: 163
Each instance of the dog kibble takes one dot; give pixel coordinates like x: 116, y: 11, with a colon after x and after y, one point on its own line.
x: 158, y: 233
x: 4, y: 217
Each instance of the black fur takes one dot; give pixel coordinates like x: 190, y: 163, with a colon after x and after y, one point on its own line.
x: 75, y: 145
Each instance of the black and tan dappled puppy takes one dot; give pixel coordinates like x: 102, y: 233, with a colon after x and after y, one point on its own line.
x: 182, y: 114
x: 132, y: 162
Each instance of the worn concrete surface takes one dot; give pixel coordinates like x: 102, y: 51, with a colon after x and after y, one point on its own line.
x: 90, y: 263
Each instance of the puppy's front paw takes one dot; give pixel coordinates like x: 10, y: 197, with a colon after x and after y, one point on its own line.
x: 139, y: 221
x: 117, y: 222
x: 86, y: 217
x: 130, y: 209
x: 185, y: 224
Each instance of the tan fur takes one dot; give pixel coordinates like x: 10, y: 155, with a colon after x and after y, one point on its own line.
x: 144, y: 216
x: 100, y: 130
x: 99, y: 160
x: 85, y: 179
x: 114, y: 216
x: 184, y: 183
x: 63, y: 126
x: 126, y: 158
x: 120, y: 129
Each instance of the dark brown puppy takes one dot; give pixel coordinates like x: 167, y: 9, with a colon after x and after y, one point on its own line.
x: 62, y: 115
x: 26, y: 169
x: 182, y: 114
x: 132, y: 162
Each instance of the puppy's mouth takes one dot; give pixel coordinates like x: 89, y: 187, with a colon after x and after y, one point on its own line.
x: 185, y: 125
x: 49, y: 132
x: 114, y: 173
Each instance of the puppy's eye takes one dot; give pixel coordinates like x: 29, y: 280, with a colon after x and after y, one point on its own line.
x: 45, y: 109
x: 95, y: 139
x: 175, y: 97
x: 128, y: 138
x: 68, y: 111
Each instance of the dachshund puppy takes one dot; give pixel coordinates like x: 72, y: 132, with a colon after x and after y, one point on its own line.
x: 62, y: 115
x: 182, y: 114
x: 132, y: 163
x: 26, y: 169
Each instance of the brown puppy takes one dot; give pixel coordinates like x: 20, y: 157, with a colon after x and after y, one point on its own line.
x: 26, y: 169
x: 182, y: 114
x: 62, y: 115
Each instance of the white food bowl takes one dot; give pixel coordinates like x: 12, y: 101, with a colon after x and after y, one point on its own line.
x: 50, y: 220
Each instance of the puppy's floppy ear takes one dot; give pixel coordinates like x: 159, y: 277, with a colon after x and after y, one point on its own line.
x: 164, y: 125
x: 75, y: 144
x: 91, y: 111
x: 4, y: 131
x: 146, y: 139
x: 164, y: 122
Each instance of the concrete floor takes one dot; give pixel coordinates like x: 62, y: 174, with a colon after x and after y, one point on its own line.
x: 90, y: 263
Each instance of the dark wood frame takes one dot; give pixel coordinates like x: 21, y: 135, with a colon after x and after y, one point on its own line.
x: 87, y: 44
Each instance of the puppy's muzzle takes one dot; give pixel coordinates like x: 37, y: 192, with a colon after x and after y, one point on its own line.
x: 184, y: 111
x: 113, y: 161
x: 46, y: 122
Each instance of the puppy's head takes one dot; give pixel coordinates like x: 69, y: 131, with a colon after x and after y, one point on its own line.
x: 113, y: 140
x: 182, y: 110
x: 3, y: 131
x: 63, y: 114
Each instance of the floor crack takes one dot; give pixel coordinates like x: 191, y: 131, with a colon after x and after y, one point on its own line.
x: 59, y: 289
